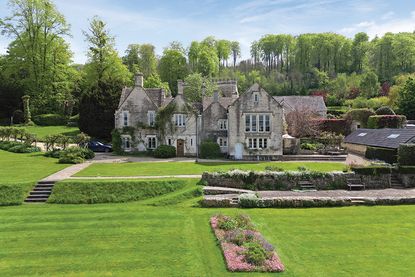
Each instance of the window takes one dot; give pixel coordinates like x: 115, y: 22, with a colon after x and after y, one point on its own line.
x: 257, y: 143
x: 223, y: 142
x: 256, y: 97
x: 191, y: 142
x: 151, y: 142
x: 180, y: 120
x: 126, y: 143
x: 393, y: 136
x: 125, y: 117
x: 362, y: 134
x: 169, y: 141
x: 257, y: 123
x: 223, y: 124
x: 151, y: 116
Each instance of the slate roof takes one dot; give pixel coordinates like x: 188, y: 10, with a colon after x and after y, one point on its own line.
x: 387, y: 138
x: 293, y: 102
x: 157, y: 95
x: 224, y: 101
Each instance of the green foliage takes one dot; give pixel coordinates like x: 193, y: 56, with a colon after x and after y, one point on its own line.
x: 116, y: 141
x: 406, y: 154
x: 14, y: 194
x: 386, y: 121
x: 360, y: 115
x: 406, y: 169
x: 165, y: 151
x: 17, y: 147
x: 55, y: 153
x: 406, y: 99
x: 73, y: 121
x: 198, y: 86
x: 50, y: 120
x: 372, y: 170
x: 384, y: 154
x: 91, y: 192
x: 385, y: 110
x: 255, y: 253
x: 154, y: 81
x: 210, y: 150
x: 172, y: 67
x: 75, y: 155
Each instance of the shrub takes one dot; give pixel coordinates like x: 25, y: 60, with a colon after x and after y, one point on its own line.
x: 360, y: 115
x: 406, y: 169
x: 110, y: 191
x: 49, y: 120
x: 383, y: 154
x: 274, y: 168
x: 248, y: 200
x: 17, y: 147
x: 372, y: 170
x: 55, y: 153
x: 255, y: 253
x: 338, y: 126
x: 385, y: 110
x: 75, y: 155
x: 386, y: 121
x: 210, y: 150
x: 406, y: 154
x: 14, y: 194
x: 309, y: 146
x: 165, y: 151
x: 227, y: 223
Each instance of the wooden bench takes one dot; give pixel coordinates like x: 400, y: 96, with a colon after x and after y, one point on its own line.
x: 355, y: 184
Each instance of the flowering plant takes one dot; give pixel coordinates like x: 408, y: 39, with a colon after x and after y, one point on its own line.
x: 244, y: 248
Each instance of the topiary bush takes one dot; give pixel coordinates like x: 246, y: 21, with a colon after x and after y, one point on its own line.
x: 210, y: 150
x: 75, y: 155
x: 406, y: 154
x: 165, y: 151
x: 385, y: 110
x: 372, y: 170
x: 360, y: 115
x: 49, y: 120
x: 386, y: 121
x: 383, y: 154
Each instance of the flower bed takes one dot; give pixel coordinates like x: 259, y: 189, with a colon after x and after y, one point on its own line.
x: 244, y: 248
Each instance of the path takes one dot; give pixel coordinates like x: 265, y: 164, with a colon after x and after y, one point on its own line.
x: 135, y: 177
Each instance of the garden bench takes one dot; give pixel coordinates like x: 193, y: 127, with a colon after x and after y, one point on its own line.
x: 355, y: 183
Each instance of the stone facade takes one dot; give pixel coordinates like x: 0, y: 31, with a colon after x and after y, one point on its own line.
x: 249, y: 126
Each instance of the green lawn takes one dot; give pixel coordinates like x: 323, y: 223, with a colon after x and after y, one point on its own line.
x: 189, y: 168
x: 42, y: 131
x: 136, y: 239
x: 26, y: 167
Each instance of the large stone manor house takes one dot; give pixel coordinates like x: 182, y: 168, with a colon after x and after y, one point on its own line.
x: 245, y: 126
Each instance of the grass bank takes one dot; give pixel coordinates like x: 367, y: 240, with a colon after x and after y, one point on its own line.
x: 190, y: 168
x: 42, y: 131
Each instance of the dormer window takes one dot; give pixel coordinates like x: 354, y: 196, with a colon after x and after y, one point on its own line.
x: 256, y: 97
x: 125, y: 118
x: 223, y: 124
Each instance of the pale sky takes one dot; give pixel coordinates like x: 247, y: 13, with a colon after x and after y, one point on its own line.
x: 160, y: 22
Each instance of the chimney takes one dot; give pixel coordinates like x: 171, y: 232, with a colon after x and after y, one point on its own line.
x: 138, y: 80
x: 215, y: 96
x: 180, y: 86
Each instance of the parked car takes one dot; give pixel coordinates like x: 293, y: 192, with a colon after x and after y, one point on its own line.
x: 98, y: 146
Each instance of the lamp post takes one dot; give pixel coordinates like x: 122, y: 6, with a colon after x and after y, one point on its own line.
x: 197, y: 136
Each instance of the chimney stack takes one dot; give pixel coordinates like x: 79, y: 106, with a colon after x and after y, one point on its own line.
x: 215, y: 96
x: 180, y: 87
x: 138, y: 80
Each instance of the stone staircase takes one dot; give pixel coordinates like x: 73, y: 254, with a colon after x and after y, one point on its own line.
x: 396, y: 183
x: 40, y: 192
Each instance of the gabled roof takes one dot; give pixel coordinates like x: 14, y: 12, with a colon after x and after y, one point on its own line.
x: 387, y: 138
x: 223, y: 101
x: 253, y: 88
x: 293, y: 102
x: 156, y: 95
x: 124, y: 95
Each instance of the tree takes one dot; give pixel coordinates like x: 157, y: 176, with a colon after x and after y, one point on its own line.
x: 38, y: 56
x: 148, y: 60
x: 370, y: 85
x: 359, y: 51
x: 105, y: 76
x: 406, y: 99
x: 208, y: 63
x: 198, y: 86
x: 132, y: 58
x: 236, y: 51
x: 223, y: 48
x: 193, y: 55
x: 255, y: 52
x: 154, y: 81
x: 172, y: 66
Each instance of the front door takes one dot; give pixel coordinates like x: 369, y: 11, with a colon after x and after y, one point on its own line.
x: 180, y: 148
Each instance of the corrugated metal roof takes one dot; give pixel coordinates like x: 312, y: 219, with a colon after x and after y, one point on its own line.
x: 387, y: 138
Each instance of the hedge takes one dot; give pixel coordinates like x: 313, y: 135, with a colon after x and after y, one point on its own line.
x: 50, y: 120
x: 18, y: 147
x: 406, y: 169
x: 372, y: 170
x: 386, y: 121
x: 361, y: 115
x: 14, y: 194
x: 110, y: 191
x: 406, y: 154
x: 383, y: 154
x: 338, y: 126
x: 165, y: 151
x: 210, y: 150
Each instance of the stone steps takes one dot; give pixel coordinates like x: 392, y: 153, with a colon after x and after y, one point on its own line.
x: 41, y: 192
x: 209, y: 190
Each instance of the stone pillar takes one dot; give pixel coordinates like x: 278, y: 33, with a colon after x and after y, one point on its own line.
x: 26, y: 110
x: 138, y: 80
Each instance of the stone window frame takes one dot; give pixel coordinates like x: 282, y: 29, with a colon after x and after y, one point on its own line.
x: 151, y: 142
x: 223, y: 142
x: 223, y: 124
x: 125, y: 118
x: 151, y: 118
x: 126, y: 143
x: 261, y: 126
x: 255, y: 143
x: 255, y: 97
x: 179, y: 120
